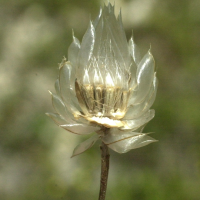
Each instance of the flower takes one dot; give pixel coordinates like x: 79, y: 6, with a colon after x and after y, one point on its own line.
x: 105, y: 87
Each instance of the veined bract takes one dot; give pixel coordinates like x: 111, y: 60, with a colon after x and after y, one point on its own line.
x: 105, y: 87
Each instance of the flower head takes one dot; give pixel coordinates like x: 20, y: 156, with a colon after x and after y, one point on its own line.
x: 105, y: 87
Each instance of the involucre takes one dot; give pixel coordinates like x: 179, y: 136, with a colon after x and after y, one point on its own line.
x: 105, y: 87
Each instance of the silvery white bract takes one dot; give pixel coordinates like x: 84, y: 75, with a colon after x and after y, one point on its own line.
x: 105, y: 87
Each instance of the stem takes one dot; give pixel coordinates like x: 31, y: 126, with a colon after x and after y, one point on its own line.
x: 104, y: 170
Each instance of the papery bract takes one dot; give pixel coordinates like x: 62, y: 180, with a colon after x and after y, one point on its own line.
x: 106, y: 87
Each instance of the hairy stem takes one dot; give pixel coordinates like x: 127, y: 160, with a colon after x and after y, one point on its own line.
x: 104, y: 170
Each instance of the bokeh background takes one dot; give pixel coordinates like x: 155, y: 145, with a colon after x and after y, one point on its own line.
x: 35, y: 154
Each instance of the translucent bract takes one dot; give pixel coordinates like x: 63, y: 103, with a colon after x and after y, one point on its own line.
x: 105, y: 87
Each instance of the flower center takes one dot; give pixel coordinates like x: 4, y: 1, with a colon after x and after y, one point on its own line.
x: 102, y: 104
x: 105, y: 121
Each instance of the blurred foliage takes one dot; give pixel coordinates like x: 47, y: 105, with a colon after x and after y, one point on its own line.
x: 35, y: 154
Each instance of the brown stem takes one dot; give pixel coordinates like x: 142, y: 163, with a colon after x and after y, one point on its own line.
x: 104, y: 170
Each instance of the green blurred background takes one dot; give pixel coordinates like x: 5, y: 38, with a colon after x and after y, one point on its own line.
x: 35, y: 154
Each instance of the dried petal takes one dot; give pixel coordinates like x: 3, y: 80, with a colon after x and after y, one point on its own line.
x: 73, y: 51
x: 82, y: 147
x: 67, y: 95
x: 129, y: 143
x: 61, y: 109
x: 116, y: 135
x: 134, y: 51
x: 144, y: 75
x: 136, y: 123
x: 57, y: 87
x: 87, y: 46
x: 135, y: 111
x: 56, y: 118
x: 80, y: 129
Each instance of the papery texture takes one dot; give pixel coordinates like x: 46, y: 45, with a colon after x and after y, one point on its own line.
x: 106, y: 87
x: 82, y: 147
